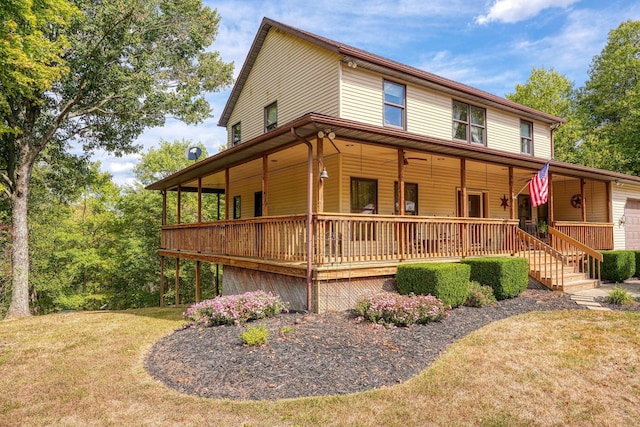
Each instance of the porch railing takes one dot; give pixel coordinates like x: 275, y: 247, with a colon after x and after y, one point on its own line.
x: 596, y: 235
x: 583, y: 258
x: 345, y: 238
x: 546, y: 264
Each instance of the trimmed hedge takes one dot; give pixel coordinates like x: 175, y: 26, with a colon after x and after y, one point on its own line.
x: 637, y: 254
x: 618, y: 266
x: 447, y: 281
x: 507, y: 276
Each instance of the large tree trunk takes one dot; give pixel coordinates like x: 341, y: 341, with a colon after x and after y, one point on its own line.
x: 20, y: 238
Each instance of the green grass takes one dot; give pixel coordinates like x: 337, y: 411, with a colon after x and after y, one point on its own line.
x: 549, y: 368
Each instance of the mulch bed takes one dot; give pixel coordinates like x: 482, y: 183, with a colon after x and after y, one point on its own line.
x: 319, y: 354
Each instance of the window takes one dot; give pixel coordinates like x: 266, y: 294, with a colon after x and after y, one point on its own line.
x: 468, y: 123
x: 526, y: 137
x: 271, y: 117
x: 236, y: 207
x: 410, y: 198
x: 235, y: 134
x: 393, y: 104
x: 364, y: 195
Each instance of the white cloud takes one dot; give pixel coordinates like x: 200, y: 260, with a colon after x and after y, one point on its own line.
x: 512, y: 11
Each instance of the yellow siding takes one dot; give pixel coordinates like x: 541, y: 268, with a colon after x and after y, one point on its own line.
x: 428, y: 113
x: 595, y: 198
x: 244, y: 181
x: 503, y: 133
x: 300, y: 76
x: 361, y: 96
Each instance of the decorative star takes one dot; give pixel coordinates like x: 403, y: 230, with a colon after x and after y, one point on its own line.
x: 504, y: 202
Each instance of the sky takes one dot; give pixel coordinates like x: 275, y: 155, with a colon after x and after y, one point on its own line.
x: 491, y: 45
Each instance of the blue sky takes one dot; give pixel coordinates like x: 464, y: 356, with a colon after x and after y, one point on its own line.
x: 491, y: 45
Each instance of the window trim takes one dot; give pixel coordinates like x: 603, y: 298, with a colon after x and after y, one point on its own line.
x: 402, y: 107
x: 530, y: 152
x: 235, y: 141
x: 469, y: 124
x: 270, y: 126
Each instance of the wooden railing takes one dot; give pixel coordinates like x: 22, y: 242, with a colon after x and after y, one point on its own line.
x: 280, y: 238
x: 345, y: 238
x: 348, y: 238
x: 546, y: 264
x: 595, y: 235
x: 583, y: 258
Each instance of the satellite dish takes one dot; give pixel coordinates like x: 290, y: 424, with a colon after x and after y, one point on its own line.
x: 193, y: 153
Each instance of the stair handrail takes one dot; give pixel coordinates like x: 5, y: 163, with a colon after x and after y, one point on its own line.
x: 563, y: 242
x: 558, y: 259
x: 588, y: 250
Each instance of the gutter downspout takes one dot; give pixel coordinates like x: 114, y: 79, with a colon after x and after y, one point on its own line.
x: 309, y: 213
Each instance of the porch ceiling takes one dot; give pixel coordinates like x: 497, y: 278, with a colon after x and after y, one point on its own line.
x: 212, y: 169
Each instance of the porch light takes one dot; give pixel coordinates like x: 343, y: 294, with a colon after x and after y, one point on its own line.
x: 324, y: 174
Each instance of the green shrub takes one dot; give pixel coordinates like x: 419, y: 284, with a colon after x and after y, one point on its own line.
x: 507, y: 276
x: 255, y: 335
x: 637, y: 257
x: 389, y: 308
x: 619, y: 296
x: 448, y: 281
x: 618, y: 266
x: 479, y: 295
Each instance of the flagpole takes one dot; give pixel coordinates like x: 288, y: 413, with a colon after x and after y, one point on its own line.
x: 515, y: 196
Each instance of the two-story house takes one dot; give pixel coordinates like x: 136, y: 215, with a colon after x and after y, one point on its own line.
x: 343, y: 164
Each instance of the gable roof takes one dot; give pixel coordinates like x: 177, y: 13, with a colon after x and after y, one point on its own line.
x: 381, y: 65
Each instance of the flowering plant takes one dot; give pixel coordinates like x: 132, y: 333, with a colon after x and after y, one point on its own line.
x: 389, y: 308
x: 234, y: 309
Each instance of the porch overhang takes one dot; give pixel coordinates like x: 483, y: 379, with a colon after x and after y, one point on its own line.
x: 308, y: 126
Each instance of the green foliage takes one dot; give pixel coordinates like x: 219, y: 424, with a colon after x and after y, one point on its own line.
x: 479, y: 295
x: 255, y: 335
x: 619, y: 296
x: 637, y: 258
x: 507, y: 276
x: 618, y: 266
x: 163, y: 161
x: 391, y: 309
x: 609, y: 102
x: 446, y: 281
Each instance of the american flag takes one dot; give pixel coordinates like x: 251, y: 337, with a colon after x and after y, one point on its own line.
x: 539, y: 187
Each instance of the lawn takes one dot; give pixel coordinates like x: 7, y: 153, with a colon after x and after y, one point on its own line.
x: 549, y: 368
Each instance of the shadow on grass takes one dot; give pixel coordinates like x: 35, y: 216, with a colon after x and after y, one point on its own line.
x: 163, y: 313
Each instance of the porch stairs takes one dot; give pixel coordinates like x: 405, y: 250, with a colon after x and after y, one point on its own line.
x: 564, y: 265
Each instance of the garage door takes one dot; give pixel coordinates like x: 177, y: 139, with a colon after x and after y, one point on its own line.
x: 632, y: 224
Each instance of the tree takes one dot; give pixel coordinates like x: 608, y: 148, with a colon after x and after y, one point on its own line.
x: 549, y: 91
x: 610, y: 101
x: 126, y: 65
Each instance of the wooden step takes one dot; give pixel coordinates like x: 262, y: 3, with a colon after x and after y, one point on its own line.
x: 579, y: 285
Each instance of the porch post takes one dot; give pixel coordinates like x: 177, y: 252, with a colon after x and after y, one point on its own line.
x: 512, y: 204
x: 161, y: 281
x: 583, y: 205
x: 164, y: 207
x: 197, y: 281
x: 199, y: 199
x: 179, y: 204
x: 177, y: 281
x: 320, y: 154
x: 463, y: 205
x: 401, y: 182
x: 609, y: 202
x: 265, y: 185
x: 227, y: 201
x: 550, y: 198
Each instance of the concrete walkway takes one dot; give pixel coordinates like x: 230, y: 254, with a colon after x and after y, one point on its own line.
x: 587, y: 296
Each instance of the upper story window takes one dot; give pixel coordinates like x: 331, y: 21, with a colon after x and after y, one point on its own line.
x: 469, y: 123
x: 271, y: 117
x: 235, y: 134
x: 526, y: 137
x: 394, y: 102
